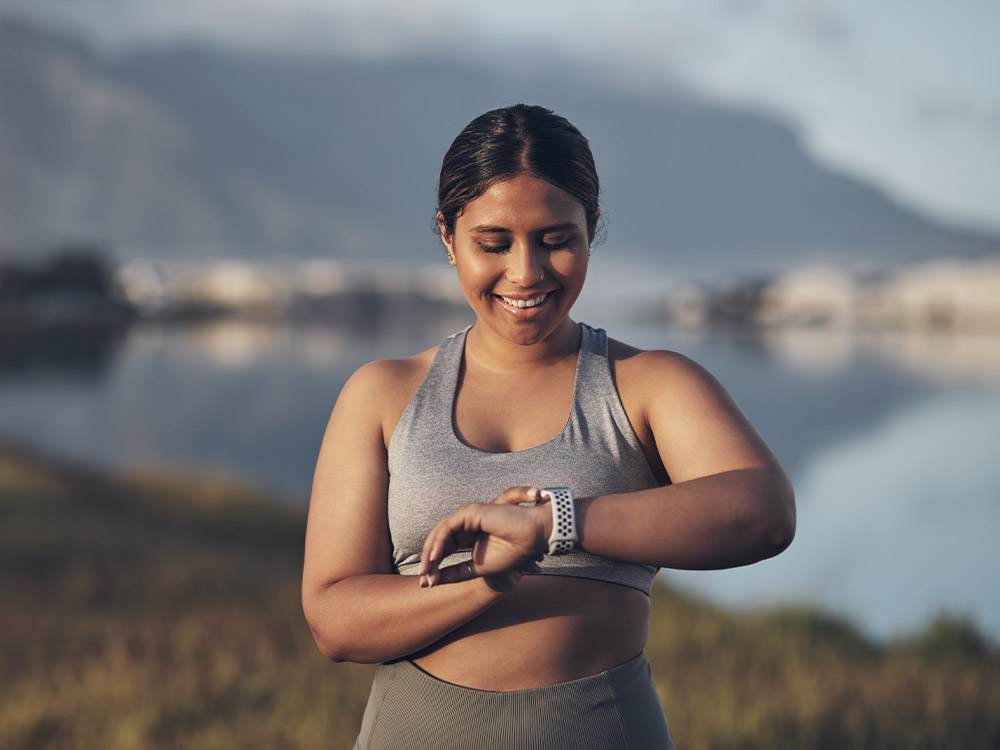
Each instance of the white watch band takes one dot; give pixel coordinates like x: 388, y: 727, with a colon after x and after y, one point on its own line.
x: 563, y: 537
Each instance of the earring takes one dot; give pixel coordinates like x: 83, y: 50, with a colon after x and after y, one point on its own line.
x: 451, y: 258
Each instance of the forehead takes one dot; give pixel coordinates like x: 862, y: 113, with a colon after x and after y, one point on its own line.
x: 522, y: 202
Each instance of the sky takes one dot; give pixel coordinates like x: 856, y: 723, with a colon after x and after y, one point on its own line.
x: 900, y: 93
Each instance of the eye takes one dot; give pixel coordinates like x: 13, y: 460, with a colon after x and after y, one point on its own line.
x: 555, y: 243
x: 493, y: 248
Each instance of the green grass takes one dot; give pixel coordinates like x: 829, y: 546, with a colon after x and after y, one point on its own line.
x: 156, y: 611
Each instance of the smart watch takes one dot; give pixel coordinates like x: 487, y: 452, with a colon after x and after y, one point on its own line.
x: 563, y: 537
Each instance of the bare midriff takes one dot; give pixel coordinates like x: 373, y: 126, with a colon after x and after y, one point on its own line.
x: 550, y: 629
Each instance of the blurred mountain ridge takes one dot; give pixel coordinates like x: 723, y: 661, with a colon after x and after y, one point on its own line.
x: 189, y: 151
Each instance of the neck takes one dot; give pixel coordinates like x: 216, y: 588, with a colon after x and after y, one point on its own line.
x: 501, y: 355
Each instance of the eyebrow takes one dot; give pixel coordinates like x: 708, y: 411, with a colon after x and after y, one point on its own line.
x: 493, y: 229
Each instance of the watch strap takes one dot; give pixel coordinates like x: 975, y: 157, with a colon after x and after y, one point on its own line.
x: 564, y: 535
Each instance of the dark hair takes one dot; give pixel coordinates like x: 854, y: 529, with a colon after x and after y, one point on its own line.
x: 516, y: 140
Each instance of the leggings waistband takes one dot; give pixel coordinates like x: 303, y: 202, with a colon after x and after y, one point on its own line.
x: 625, y: 673
x: 617, y: 709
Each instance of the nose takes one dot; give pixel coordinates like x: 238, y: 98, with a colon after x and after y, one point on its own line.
x: 524, y: 267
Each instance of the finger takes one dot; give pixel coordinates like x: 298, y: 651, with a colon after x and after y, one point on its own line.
x: 455, y: 532
x: 436, y: 573
x: 436, y: 544
x: 430, y: 561
x: 463, y: 571
x: 443, y: 541
x: 516, y: 495
x: 446, y: 538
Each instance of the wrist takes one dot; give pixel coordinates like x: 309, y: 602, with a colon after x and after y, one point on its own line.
x: 543, y: 525
x: 501, y: 584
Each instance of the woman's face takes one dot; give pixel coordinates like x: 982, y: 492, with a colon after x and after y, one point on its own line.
x: 521, y: 250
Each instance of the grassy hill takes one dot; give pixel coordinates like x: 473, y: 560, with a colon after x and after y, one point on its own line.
x: 158, y: 611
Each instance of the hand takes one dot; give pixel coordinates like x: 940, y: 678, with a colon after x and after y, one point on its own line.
x: 506, y: 538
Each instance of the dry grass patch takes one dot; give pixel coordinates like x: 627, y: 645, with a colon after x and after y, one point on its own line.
x: 157, y: 611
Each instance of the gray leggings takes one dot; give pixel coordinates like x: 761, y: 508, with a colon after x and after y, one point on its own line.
x: 617, y: 709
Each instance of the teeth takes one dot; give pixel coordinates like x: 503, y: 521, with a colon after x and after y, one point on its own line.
x: 524, y: 302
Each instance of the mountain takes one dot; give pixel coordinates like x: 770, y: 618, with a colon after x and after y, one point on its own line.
x: 190, y: 151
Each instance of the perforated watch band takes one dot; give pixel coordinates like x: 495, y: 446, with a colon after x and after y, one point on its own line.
x: 563, y: 537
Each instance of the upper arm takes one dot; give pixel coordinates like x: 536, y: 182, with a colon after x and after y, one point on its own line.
x: 348, y: 531
x: 697, y: 427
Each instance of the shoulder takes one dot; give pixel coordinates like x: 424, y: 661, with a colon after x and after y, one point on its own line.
x: 389, y: 379
x: 662, y: 370
x: 696, y: 425
x: 657, y: 384
x: 391, y: 374
x: 380, y: 390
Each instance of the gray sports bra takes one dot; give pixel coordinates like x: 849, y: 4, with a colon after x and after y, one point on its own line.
x: 432, y: 473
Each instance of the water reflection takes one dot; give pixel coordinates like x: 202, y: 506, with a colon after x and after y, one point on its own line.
x: 238, y: 344
x: 890, y: 441
x: 61, y: 351
x: 937, y: 357
x: 235, y: 344
x: 946, y: 359
x: 898, y: 523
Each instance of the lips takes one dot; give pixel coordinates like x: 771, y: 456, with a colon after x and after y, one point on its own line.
x: 523, y: 307
x: 525, y: 302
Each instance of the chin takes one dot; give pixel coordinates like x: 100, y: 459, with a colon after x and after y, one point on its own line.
x: 526, y: 333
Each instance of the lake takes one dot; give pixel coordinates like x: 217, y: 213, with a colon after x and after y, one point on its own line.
x: 892, y: 441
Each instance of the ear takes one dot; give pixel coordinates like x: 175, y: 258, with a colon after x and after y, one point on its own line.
x: 592, y: 230
x: 446, y: 239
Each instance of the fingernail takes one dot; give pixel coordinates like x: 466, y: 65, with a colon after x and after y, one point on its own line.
x: 423, y: 581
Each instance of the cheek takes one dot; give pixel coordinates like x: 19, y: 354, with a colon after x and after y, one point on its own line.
x: 474, y: 274
x: 571, y: 266
x: 474, y: 264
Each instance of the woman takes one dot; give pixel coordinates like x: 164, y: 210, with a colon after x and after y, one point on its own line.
x: 504, y: 616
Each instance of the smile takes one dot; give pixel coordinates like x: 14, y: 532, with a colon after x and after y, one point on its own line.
x: 523, y: 303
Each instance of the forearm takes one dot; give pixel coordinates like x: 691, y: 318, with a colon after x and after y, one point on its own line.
x: 375, y: 618
x: 723, y: 520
